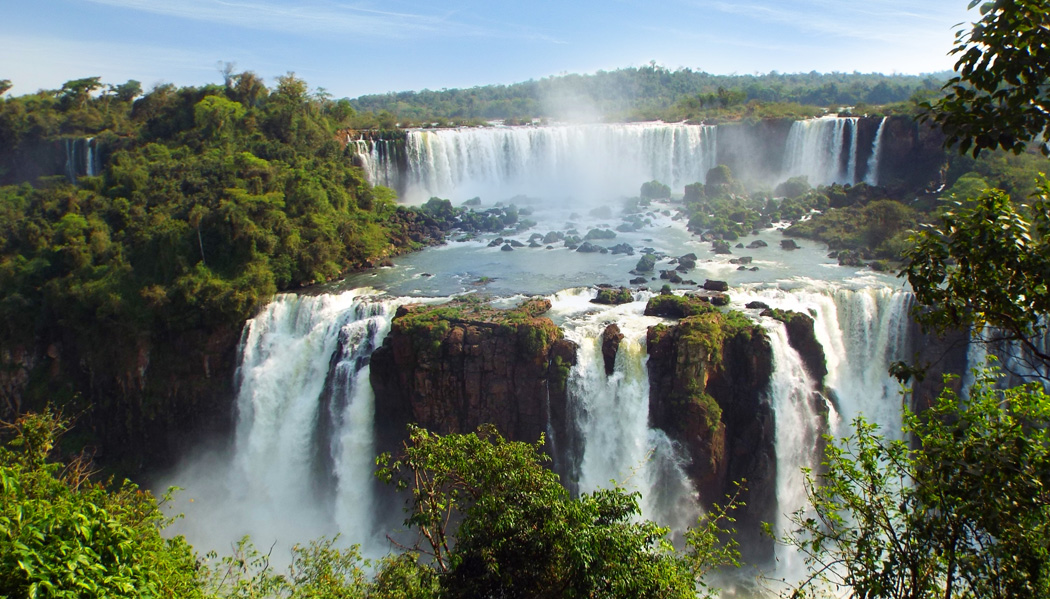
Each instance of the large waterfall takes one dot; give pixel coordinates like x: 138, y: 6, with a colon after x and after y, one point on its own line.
x: 824, y: 150
x: 602, y: 161
x: 587, y: 162
x: 301, y: 464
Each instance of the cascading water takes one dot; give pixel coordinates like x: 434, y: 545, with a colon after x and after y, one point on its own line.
x: 612, y: 412
x: 81, y: 158
x: 584, y: 161
x: 378, y: 160
x: 815, y: 149
x: 863, y: 331
x: 798, y: 429
x: 304, y: 439
x: 872, y: 176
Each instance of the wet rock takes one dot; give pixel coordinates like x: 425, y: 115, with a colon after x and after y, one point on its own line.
x: 757, y: 305
x: 788, y: 244
x: 849, y: 258
x: 496, y: 242
x: 741, y: 260
x: 713, y: 285
x: 611, y: 338
x: 758, y: 243
x: 507, y: 248
x: 646, y: 263
x: 721, y: 247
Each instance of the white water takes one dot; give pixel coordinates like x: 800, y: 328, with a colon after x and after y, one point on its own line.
x: 798, y: 427
x: 815, y: 150
x: 619, y: 448
x: 862, y: 332
x: 283, y: 481
x: 872, y: 176
x: 81, y: 158
x: 375, y: 159
x: 586, y: 162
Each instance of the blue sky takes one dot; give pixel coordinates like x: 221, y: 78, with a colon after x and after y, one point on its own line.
x: 355, y: 48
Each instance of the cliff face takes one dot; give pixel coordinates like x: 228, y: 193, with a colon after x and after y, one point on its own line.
x: 708, y: 376
x: 453, y: 367
x: 709, y: 379
x: 143, y: 403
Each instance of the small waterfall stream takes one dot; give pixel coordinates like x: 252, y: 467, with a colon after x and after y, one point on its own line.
x: 872, y: 176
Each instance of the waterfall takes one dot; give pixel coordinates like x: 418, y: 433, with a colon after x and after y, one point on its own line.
x: 378, y: 160
x: 1016, y: 362
x: 815, y: 149
x: 81, y: 158
x: 304, y: 433
x: 613, y: 414
x: 585, y: 161
x: 862, y: 332
x: 872, y: 176
x: 798, y: 430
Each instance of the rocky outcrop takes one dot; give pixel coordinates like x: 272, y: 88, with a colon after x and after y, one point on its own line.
x: 708, y: 378
x: 611, y: 338
x: 453, y: 367
x: 803, y: 339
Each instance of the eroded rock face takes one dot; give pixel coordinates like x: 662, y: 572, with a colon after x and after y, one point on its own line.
x: 611, y: 338
x: 142, y: 403
x: 803, y: 338
x: 708, y: 377
x: 453, y: 367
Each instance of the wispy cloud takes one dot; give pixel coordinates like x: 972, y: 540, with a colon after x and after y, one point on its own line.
x: 320, y: 17
x: 890, y: 21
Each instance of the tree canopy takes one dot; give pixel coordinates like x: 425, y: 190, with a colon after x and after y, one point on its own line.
x: 999, y: 98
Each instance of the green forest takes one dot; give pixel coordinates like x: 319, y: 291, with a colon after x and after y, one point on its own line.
x: 653, y: 92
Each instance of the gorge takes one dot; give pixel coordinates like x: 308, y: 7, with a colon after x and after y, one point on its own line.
x: 680, y: 409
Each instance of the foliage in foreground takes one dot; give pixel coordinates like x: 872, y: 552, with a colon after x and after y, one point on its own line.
x: 496, y: 523
x: 520, y: 534
x: 63, y: 536
x: 986, y: 263
x: 962, y: 512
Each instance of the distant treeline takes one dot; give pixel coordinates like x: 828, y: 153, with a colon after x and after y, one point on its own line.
x: 652, y: 92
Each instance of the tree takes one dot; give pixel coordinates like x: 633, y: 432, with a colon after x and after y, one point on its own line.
x: 519, y: 533
x: 63, y: 536
x: 999, y: 98
x: 987, y: 264
x: 963, y: 511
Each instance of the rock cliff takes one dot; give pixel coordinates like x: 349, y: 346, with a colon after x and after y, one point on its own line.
x: 452, y: 367
x: 709, y: 378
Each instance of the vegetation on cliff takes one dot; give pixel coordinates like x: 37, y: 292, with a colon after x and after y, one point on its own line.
x: 209, y: 200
